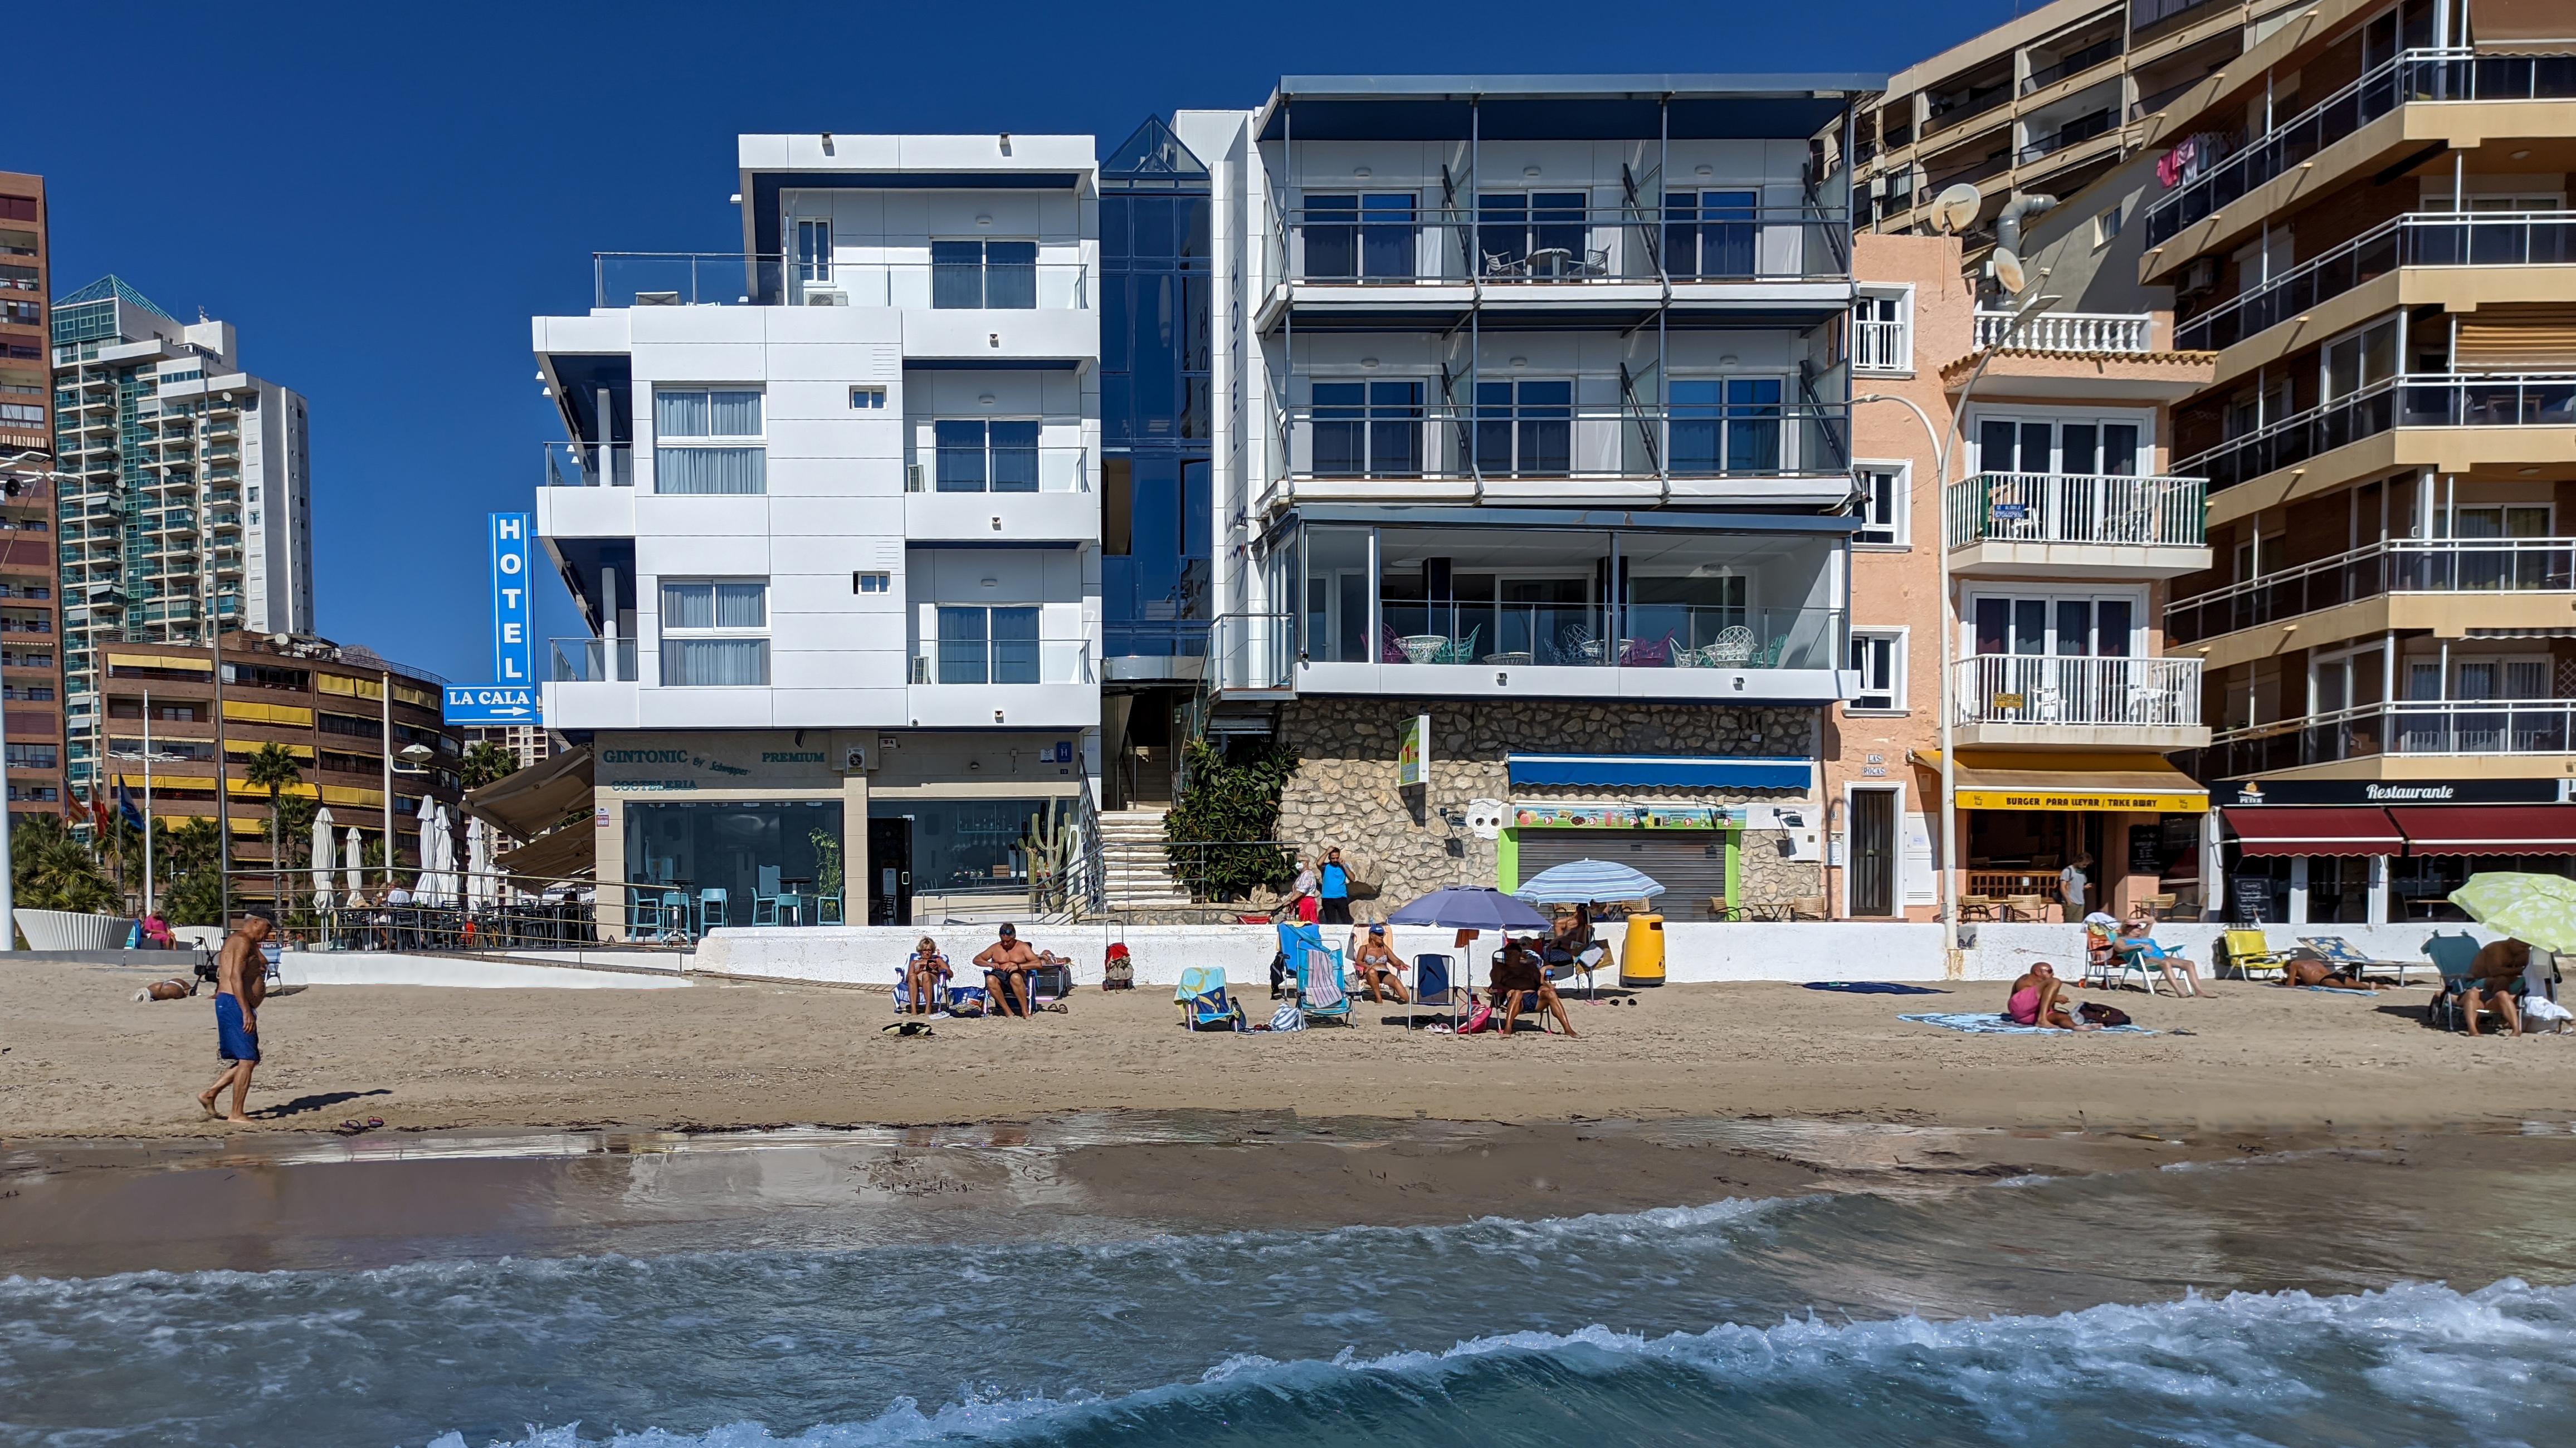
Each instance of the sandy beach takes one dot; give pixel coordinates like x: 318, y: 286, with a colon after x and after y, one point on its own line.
x: 82, y: 1059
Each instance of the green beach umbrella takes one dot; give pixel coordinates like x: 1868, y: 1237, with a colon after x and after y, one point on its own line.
x: 2538, y: 910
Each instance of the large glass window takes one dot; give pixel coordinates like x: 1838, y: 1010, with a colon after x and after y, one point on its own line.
x: 1537, y: 233
x: 976, y: 456
x: 813, y: 251
x: 715, y: 633
x: 746, y: 850
x: 697, y: 441
x: 2080, y: 447
x: 1709, y: 234
x: 1353, y: 237
x: 1726, y: 425
x: 1525, y: 429
x: 988, y: 645
x: 1368, y: 429
x: 967, y: 846
x: 1000, y: 274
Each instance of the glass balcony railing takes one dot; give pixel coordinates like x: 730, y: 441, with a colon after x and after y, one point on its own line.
x: 594, y: 661
x: 2396, y: 565
x: 2407, y: 726
x: 2416, y: 400
x: 1041, y: 660
x: 2411, y: 77
x: 2114, y: 693
x: 1000, y: 468
x: 1541, y: 238
x: 1385, y: 432
x: 589, y: 465
x: 2077, y: 508
x: 732, y: 279
x: 1575, y: 635
x: 1252, y: 650
x: 2522, y: 238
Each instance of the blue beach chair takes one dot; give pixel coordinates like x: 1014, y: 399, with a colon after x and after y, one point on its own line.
x: 1204, y: 1003
x: 1321, y: 993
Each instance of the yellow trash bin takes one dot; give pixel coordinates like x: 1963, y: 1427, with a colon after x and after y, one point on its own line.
x: 1641, y: 959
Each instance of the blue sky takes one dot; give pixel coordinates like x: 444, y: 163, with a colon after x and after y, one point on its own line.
x: 379, y: 197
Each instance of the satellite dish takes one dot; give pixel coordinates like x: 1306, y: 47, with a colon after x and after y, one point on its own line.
x: 2008, y: 271
x: 1955, y: 209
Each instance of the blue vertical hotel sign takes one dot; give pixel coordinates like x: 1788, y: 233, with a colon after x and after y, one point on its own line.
x: 513, y: 653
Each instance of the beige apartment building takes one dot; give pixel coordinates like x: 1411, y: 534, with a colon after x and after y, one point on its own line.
x: 2062, y: 531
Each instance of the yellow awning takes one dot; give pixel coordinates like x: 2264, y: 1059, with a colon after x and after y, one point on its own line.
x: 2019, y: 779
x: 192, y: 663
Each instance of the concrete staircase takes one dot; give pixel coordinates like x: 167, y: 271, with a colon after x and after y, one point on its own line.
x: 1135, y: 869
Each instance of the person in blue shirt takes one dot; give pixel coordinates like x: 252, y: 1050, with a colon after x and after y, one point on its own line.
x: 1333, y: 890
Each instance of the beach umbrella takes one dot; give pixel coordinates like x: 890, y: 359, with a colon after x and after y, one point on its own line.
x: 479, y: 891
x: 1588, y: 882
x: 1465, y: 907
x: 322, y: 858
x: 2538, y: 910
x: 354, y: 864
x: 430, y: 888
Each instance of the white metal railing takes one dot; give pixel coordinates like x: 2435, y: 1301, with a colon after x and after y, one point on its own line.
x: 2136, y: 693
x: 2077, y: 508
x: 2406, y: 726
x: 1879, y: 346
x: 2112, y: 332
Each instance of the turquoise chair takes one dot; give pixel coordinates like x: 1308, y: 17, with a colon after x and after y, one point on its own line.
x: 1322, y: 994
x: 1204, y: 1004
x: 766, y: 896
x: 711, y: 909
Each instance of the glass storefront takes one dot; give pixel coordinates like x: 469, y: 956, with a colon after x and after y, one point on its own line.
x: 963, y: 846
x: 748, y: 850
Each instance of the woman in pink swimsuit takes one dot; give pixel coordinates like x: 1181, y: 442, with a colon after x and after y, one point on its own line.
x: 2035, y: 1001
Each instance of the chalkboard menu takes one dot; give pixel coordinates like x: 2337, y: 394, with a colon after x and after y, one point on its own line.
x: 2146, y: 850
x: 2252, y: 895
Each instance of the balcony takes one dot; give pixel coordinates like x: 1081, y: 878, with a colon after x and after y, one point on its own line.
x: 1039, y: 680
x: 589, y: 465
x: 2419, y: 239
x: 2421, y: 400
x: 732, y: 279
x: 1380, y: 441
x: 593, y: 661
x: 2076, y: 62
x: 2039, y: 701
x: 2411, y: 77
x: 2408, y: 727
x: 1521, y: 246
x: 2459, y: 566
x: 2074, y: 131
x: 2091, y: 333
x: 1001, y: 492
x: 2058, y: 525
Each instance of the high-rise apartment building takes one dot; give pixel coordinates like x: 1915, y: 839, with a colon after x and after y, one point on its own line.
x: 189, y: 494
x: 31, y: 671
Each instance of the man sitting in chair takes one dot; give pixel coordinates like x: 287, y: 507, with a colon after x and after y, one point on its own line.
x: 1518, y: 973
x: 2499, y: 966
x: 1006, y: 964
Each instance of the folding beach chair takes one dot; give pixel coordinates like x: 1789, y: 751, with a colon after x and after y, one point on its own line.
x: 1204, y: 1004
x: 1321, y: 996
x: 1430, y: 985
x: 2455, y: 956
x: 2246, y: 951
x: 2335, y: 950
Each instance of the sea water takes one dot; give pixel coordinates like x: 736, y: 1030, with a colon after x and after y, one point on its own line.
x: 2305, y: 1301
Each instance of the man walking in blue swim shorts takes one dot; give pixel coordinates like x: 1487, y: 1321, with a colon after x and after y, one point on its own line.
x: 241, y: 983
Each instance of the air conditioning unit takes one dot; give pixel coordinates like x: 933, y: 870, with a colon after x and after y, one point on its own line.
x: 854, y: 760
x: 826, y: 297
x: 2199, y: 276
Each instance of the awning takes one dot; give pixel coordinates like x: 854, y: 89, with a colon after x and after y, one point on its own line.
x: 1659, y: 771
x: 2485, y: 829
x: 528, y: 802
x: 2014, y: 779
x: 568, y: 852
x: 2314, y: 829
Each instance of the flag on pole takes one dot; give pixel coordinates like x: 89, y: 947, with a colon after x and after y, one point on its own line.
x: 125, y: 807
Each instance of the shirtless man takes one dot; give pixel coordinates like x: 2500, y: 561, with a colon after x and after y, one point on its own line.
x: 1518, y: 972
x: 2304, y: 971
x: 2037, y: 999
x: 241, y: 983
x: 1006, y: 964
x: 2492, y: 974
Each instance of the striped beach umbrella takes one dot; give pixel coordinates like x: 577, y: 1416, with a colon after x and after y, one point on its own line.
x: 1588, y: 882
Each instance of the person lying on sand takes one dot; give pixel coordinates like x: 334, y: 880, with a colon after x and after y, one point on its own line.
x: 2303, y: 971
x: 2037, y: 1000
x: 1518, y: 973
x: 2137, y: 938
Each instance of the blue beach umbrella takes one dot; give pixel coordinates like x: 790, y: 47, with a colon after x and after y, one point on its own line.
x: 1462, y: 907
x: 1588, y: 882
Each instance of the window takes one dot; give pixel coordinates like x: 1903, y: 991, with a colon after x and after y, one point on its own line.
x: 977, y: 457
x: 871, y: 582
x: 1542, y: 233
x: 1525, y: 429
x: 1882, y: 505
x: 2058, y: 626
x: 1353, y: 237
x: 1368, y: 429
x: 2084, y: 448
x: 988, y: 645
x: 983, y: 274
x: 1880, y: 340
x: 813, y: 251
x: 34, y: 756
x: 715, y: 633
x: 1878, y: 656
x: 2106, y: 227
x: 688, y: 457
x: 2359, y: 359
x: 1726, y: 425
x: 868, y: 399
x: 1709, y: 234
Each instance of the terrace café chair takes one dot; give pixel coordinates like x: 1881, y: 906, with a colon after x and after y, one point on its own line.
x: 711, y: 909
x: 765, y: 896
x: 2025, y: 907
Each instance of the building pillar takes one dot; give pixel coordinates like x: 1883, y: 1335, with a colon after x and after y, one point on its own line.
x: 854, y: 844
x: 2298, y: 890
x: 608, y: 869
x: 2378, y: 912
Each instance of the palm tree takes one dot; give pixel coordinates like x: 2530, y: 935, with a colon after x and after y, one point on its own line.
x: 486, y: 762
x: 272, y: 767
x: 53, y: 870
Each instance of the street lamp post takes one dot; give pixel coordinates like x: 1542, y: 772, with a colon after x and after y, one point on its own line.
x: 1944, y: 447
x: 148, y: 756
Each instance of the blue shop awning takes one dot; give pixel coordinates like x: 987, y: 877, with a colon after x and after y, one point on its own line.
x: 1659, y: 771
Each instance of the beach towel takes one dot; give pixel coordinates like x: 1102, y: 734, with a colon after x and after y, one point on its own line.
x: 1990, y: 1023
x: 2338, y: 990
x: 1872, y: 987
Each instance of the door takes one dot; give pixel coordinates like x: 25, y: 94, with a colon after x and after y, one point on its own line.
x: 1872, y: 883
x: 890, y: 871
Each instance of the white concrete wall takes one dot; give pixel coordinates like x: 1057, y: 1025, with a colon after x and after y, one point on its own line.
x: 335, y: 967
x: 1695, y: 952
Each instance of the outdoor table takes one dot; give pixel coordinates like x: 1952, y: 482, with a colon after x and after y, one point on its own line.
x: 1515, y: 656
x: 1552, y: 260
x: 1423, y: 648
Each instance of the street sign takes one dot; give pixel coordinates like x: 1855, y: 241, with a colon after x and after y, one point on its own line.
x: 489, y: 704
x: 513, y: 651
x: 2011, y: 512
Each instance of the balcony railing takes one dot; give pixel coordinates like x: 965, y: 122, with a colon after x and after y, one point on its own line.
x: 1969, y: 104
x: 2395, y: 565
x: 1879, y: 346
x: 2075, y: 63
x: 2417, y: 400
x: 732, y: 279
x: 2411, y: 76
x: 1374, y: 440
x: 1532, y: 244
x: 2077, y: 508
x: 2408, y: 726
x: 2097, y: 332
x: 2437, y: 238
x: 2081, y: 128
x: 1000, y: 469
x: 2043, y: 689
x: 1044, y: 660
x: 589, y: 465
x: 1252, y: 650
x: 594, y: 661
x: 1640, y: 636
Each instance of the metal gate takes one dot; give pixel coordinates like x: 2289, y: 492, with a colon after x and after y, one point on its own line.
x: 1873, y: 852
x: 1689, y: 864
